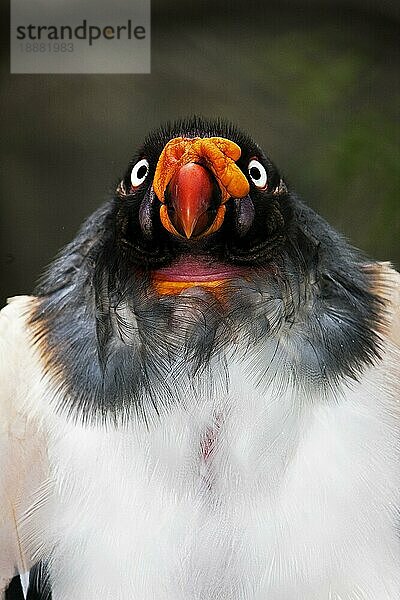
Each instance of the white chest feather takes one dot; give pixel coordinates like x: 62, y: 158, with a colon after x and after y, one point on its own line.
x: 251, y: 494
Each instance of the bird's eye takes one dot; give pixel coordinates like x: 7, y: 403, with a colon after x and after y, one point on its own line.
x: 258, y: 174
x: 139, y: 172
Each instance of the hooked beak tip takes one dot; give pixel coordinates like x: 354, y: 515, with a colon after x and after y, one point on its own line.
x: 188, y: 232
x: 188, y: 223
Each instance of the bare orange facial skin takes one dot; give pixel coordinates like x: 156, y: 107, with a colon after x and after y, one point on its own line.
x: 170, y: 288
x: 217, y: 155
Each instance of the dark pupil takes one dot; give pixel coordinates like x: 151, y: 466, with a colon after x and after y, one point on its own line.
x: 255, y: 173
x: 141, y: 172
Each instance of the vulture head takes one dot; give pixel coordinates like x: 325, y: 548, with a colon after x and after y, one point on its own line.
x: 201, y: 205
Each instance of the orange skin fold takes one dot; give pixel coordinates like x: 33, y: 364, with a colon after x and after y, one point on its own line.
x: 217, y: 154
x: 170, y: 288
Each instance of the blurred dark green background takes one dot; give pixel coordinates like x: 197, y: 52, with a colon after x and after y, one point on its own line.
x: 316, y: 83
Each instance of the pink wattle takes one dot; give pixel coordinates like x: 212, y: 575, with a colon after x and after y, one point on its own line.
x: 190, y: 268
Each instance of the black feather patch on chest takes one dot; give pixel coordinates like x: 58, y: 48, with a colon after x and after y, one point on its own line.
x: 302, y: 312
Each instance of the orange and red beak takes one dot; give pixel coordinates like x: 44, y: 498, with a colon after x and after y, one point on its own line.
x: 190, y: 195
x: 194, y: 179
